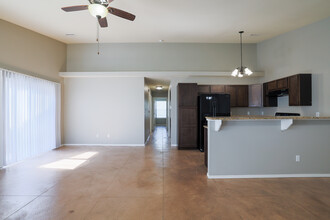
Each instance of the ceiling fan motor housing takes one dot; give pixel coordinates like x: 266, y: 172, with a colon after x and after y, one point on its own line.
x: 100, y: 2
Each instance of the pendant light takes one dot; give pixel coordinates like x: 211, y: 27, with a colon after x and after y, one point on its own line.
x: 241, y: 71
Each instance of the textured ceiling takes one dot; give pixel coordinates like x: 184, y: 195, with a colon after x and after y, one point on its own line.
x: 209, y: 21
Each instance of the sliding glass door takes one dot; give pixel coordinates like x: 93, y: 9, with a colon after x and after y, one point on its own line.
x: 30, y: 116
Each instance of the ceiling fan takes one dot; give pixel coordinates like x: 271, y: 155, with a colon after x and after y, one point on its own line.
x: 100, y: 9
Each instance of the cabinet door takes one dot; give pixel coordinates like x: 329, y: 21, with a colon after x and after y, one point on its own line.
x: 188, y: 138
x: 242, y: 96
x: 187, y: 94
x: 231, y: 90
x: 187, y: 127
x: 204, y: 89
x: 255, y: 95
x: 294, y: 90
x: 272, y: 85
x: 282, y: 83
x: 188, y: 117
x: 217, y: 88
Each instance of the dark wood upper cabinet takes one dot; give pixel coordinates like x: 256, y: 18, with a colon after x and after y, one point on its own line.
x: 272, y: 85
x: 187, y: 94
x: 242, y: 96
x: 204, y: 89
x: 231, y: 90
x: 300, y: 90
x: 282, y: 83
x: 217, y: 88
x: 239, y: 95
x: 278, y: 84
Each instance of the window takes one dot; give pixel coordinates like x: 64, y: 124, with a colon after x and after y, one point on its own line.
x: 30, y: 116
x: 160, y: 108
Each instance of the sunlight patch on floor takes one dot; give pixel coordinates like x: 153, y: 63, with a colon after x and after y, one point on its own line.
x: 65, y: 164
x: 72, y: 163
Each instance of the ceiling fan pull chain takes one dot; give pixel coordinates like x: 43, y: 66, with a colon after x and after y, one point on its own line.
x: 98, y: 37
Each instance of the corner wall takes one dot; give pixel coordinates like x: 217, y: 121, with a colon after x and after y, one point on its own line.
x: 305, y: 50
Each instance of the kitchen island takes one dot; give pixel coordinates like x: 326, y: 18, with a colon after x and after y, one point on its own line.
x: 268, y: 146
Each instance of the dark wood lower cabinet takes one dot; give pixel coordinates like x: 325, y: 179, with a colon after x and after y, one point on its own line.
x: 188, y: 128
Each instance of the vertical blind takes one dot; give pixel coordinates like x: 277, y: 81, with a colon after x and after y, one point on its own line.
x: 30, y: 109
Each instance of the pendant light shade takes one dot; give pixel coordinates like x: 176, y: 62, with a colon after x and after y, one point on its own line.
x: 241, y: 71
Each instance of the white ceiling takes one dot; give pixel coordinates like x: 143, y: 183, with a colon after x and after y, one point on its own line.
x: 210, y: 21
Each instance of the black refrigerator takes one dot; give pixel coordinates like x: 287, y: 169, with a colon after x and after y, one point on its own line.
x: 210, y: 105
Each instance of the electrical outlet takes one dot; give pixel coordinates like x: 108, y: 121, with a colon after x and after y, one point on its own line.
x: 97, y: 135
x: 297, y: 158
x: 108, y: 136
x: 248, y: 113
x: 262, y: 113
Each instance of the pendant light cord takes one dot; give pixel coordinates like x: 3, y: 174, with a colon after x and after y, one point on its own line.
x: 241, y: 32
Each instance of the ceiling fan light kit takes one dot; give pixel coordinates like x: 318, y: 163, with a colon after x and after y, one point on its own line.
x: 98, y: 10
x: 241, y: 71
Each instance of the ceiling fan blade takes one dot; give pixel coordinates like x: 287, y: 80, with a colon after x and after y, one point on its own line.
x: 121, y: 13
x: 75, y: 8
x: 103, y: 22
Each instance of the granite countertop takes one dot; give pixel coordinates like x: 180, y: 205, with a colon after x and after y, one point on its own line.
x: 263, y: 117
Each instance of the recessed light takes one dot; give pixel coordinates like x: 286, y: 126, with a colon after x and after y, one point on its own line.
x: 161, y: 41
x: 159, y: 87
x: 69, y: 35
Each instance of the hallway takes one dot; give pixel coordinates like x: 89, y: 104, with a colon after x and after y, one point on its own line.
x: 152, y: 182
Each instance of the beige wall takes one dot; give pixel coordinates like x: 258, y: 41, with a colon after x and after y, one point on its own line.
x: 28, y: 52
x: 31, y: 53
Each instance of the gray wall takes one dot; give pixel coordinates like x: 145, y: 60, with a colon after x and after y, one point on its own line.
x: 159, y: 57
x: 305, y: 50
x: 259, y: 147
x: 104, y: 110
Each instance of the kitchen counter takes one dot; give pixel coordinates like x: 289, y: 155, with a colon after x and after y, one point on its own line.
x: 268, y: 146
x: 263, y: 117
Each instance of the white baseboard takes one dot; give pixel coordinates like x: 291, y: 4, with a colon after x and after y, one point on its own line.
x: 267, y: 176
x: 104, y: 145
x: 174, y: 145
